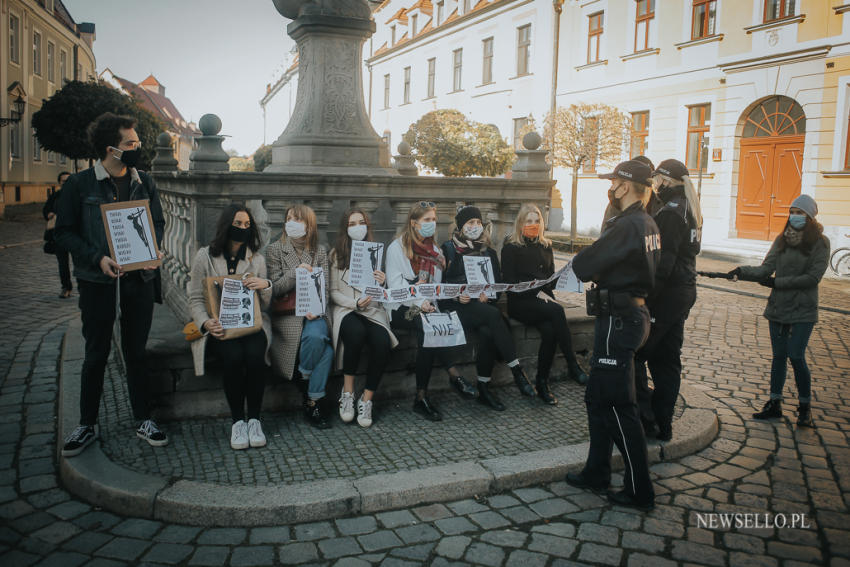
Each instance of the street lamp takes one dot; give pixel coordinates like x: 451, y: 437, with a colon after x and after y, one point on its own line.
x: 18, y: 106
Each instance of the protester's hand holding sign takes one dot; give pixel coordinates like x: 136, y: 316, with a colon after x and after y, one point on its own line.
x: 256, y: 283
x: 379, y: 276
x: 110, y: 267
x: 427, y: 307
x: 214, y: 327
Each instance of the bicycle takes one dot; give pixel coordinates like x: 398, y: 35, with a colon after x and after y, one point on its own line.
x: 839, y: 261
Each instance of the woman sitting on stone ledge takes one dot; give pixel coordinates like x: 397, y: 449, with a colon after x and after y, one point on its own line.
x: 357, y: 321
x: 471, y: 240
x: 302, y: 345
x: 244, y: 360
x: 527, y: 255
x: 413, y: 258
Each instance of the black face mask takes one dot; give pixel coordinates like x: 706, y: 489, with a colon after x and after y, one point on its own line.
x: 237, y: 234
x: 130, y: 157
x: 666, y: 193
x: 615, y: 201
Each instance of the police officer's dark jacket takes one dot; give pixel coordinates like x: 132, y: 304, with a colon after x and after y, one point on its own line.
x: 625, y: 256
x: 79, y: 225
x: 680, y: 240
x: 524, y: 263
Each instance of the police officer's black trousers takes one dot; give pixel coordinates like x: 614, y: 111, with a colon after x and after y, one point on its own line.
x: 97, y: 311
x: 662, y: 352
x: 612, y: 414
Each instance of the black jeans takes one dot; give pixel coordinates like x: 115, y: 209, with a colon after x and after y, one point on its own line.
x: 662, y: 352
x: 97, y: 311
x: 63, y: 259
x: 494, y: 334
x: 242, y: 362
x: 357, y: 331
x: 550, y: 321
x: 424, y: 356
x: 612, y: 414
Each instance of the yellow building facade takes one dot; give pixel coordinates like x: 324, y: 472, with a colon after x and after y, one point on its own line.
x: 42, y: 48
x: 755, y: 91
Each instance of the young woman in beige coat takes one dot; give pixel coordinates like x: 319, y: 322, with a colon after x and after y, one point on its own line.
x: 243, y: 360
x: 358, y: 321
x: 304, y: 342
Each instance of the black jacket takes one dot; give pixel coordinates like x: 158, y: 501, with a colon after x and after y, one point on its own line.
x: 455, y: 272
x: 526, y: 262
x: 50, y: 203
x: 79, y: 224
x: 625, y: 257
x: 680, y: 241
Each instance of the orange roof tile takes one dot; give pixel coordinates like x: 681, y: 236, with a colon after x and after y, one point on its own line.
x: 382, y: 6
x: 453, y: 16
x: 481, y: 4
x: 401, y: 16
x: 381, y: 49
x: 428, y: 27
x: 294, y: 64
x: 424, y: 6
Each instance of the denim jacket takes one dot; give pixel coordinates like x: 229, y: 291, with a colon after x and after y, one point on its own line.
x: 79, y: 224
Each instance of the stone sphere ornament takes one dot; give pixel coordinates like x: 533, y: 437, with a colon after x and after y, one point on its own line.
x: 163, y: 140
x: 404, y: 149
x: 531, y: 141
x: 210, y: 124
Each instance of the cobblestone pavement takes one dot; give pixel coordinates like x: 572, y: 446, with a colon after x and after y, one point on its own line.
x: 764, y: 468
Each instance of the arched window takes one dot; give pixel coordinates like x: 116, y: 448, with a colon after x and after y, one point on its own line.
x: 775, y: 116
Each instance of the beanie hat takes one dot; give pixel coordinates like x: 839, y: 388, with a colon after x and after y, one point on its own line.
x: 806, y: 204
x: 465, y: 214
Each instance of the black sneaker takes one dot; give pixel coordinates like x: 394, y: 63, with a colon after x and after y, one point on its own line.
x: 804, y: 415
x: 79, y: 439
x: 772, y: 409
x: 463, y: 387
x: 150, y: 432
x: 425, y: 408
x: 315, y: 416
x: 580, y: 481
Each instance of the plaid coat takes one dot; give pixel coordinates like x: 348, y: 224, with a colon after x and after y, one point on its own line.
x: 282, y: 259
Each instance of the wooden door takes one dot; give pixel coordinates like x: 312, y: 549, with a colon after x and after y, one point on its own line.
x: 769, y: 180
x: 755, y: 182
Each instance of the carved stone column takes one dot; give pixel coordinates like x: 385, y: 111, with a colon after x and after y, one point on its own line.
x: 329, y: 126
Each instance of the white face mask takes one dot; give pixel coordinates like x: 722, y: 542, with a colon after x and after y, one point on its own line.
x: 473, y: 232
x: 295, y: 229
x: 357, y: 232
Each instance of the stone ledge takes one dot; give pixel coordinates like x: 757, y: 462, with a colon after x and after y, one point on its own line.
x: 93, y: 477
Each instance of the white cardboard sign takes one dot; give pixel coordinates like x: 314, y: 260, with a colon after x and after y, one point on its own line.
x: 366, y: 258
x: 309, y: 291
x: 236, y: 310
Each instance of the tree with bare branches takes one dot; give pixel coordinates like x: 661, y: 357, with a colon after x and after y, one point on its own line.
x: 582, y: 136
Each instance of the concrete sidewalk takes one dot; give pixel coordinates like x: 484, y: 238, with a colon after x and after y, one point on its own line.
x: 308, y: 475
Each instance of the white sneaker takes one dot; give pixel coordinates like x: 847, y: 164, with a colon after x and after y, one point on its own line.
x: 346, y: 407
x: 364, y: 412
x: 255, y: 433
x: 239, y: 435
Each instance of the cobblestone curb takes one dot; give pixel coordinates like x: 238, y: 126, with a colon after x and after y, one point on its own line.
x: 95, y: 478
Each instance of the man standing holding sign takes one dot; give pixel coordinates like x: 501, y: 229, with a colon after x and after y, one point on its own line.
x: 80, y: 230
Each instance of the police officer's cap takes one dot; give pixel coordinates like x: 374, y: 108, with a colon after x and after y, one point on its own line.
x: 632, y: 170
x: 672, y: 168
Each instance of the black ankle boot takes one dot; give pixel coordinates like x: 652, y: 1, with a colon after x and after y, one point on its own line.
x: 804, y: 415
x: 544, y: 392
x: 463, y: 387
x: 488, y: 398
x: 314, y: 415
x: 773, y: 408
x: 522, y: 382
x: 577, y: 374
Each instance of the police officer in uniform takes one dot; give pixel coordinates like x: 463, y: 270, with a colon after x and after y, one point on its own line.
x: 680, y: 225
x: 622, y: 264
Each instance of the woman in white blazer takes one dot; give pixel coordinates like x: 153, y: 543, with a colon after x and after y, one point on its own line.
x: 244, y: 360
x: 357, y: 321
x: 414, y: 258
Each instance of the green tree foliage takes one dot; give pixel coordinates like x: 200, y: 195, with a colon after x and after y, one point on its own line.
x: 262, y: 157
x: 445, y: 141
x: 240, y: 163
x: 60, y: 126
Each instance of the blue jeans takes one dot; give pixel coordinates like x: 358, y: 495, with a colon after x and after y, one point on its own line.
x: 315, y: 356
x: 790, y: 342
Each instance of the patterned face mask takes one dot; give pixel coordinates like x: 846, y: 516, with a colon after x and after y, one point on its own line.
x: 793, y: 237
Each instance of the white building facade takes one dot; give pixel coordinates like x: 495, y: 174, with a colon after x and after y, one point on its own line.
x: 491, y: 60
x: 763, y: 84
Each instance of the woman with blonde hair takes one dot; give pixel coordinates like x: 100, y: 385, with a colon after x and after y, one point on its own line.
x: 302, y: 345
x: 527, y: 255
x: 358, y: 322
x: 413, y: 258
x: 471, y: 240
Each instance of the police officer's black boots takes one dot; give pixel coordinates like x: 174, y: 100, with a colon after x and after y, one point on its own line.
x: 804, y: 415
x: 488, y: 398
x: 544, y: 392
x: 773, y: 408
x: 522, y: 382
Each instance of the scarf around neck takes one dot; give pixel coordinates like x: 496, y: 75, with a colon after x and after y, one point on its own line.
x: 426, y: 258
